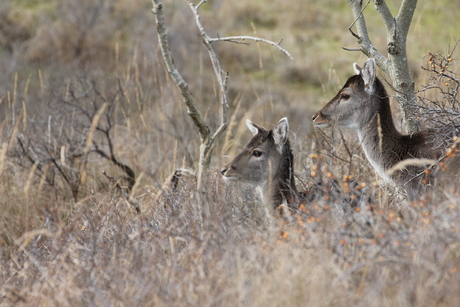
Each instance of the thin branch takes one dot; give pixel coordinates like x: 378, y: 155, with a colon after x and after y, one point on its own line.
x: 220, y: 74
x: 187, y: 96
x: 404, y: 18
x: 363, y: 36
x: 219, y: 132
x: 358, y: 16
x: 241, y: 39
x: 351, y: 49
x: 387, y: 17
x: 199, y: 4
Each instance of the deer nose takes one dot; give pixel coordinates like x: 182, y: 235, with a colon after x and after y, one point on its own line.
x: 223, y: 171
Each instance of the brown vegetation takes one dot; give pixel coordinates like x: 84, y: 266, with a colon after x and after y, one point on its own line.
x: 84, y: 90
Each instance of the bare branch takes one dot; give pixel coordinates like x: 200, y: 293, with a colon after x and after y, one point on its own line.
x: 387, y: 17
x: 351, y: 49
x: 220, y: 74
x: 356, y: 7
x: 199, y: 4
x: 187, y: 96
x: 404, y: 18
x: 363, y: 36
x: 241, y: 39
x: 396, y: 65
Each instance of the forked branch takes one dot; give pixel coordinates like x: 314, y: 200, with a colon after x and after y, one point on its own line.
x: 362, y: 36
x: 187, y: 96
x: 395, y: 65
x: 207, y: 139
x: 242, y: 39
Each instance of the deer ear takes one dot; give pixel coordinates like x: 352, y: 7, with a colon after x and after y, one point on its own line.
x: 281, y: 132
x: 357, y: 68
x: 368, y: 73
x: 254, y: 129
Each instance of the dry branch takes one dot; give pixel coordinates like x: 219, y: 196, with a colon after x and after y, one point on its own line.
x: 395, y: 65
x: 207, y: 139
x: 241, y: 39
x: 187, y: 96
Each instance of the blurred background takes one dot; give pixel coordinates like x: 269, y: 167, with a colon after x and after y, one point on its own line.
x: 46, y: 45
x: 83, y: 89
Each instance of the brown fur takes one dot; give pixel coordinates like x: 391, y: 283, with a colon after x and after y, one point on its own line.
x: 273, y: 171
x: 366, y: 109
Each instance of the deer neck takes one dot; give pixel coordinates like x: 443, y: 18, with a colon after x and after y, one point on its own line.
x: 282, y: 187
x: 379, y: 138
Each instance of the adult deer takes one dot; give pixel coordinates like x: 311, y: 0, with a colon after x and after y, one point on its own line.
x: 363, y: 105
x: 267, y: 162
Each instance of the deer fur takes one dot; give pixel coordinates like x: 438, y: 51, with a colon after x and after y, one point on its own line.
x: 364, y: 106
x: 267, y: 162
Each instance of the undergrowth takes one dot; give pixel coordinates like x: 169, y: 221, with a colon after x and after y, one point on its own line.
x: 79, y: 101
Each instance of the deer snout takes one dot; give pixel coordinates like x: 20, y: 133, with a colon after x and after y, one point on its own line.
x: 318, y: 117
x: 229, y: 172
x: 319, y: 120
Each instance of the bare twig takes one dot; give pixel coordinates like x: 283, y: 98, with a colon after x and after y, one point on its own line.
x: 351, y: 49
x: 242, y: 39
x: 187, y: 96
x: 123, y: 192
x: 395, y: 65
x: 207, y: 139
x: 221, y: 76
x: 201, y: 3
x: 363, y: 36
x: 360, y: 15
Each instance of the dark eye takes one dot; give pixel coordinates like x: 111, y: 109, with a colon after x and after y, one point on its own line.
x: 344, y: 96
x: 257, y: 153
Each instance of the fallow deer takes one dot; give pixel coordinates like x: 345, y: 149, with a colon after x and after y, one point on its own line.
x: 363, y: 105
x: 267, y: 162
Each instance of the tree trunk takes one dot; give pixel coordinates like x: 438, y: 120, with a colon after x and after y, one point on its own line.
x: 395, y: 65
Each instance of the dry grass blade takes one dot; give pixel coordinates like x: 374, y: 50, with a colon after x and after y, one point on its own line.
x: 25, y: 239
x: 353, y: 243
x: 89, y: 140
x: 30, y: 177
x: 127, y: 196
x: 3, y: 156
x: 411, y: 162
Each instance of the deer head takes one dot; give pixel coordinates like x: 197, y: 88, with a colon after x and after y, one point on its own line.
x: 353, y: 106
x: 363, y: 105
x: 266, y: 161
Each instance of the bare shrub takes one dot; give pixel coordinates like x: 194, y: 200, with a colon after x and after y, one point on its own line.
x: 439, y: 98
x: 82, y: 31
x: 12, y: 32
x: 347, y: 247
x: 104, y: 254
x: 79, y: 121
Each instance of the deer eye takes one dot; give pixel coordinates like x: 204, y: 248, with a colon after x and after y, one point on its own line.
x: 257, y: 153
x: 344, y: 96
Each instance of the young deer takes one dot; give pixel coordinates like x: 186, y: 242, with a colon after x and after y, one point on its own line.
x: 267, y: 161
x: 363, y: 105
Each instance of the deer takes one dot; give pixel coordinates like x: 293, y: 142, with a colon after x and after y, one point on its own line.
x: 267, y: 162
x: 363, y: 105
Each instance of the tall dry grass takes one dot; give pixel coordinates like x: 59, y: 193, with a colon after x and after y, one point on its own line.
x: 357, y: 245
